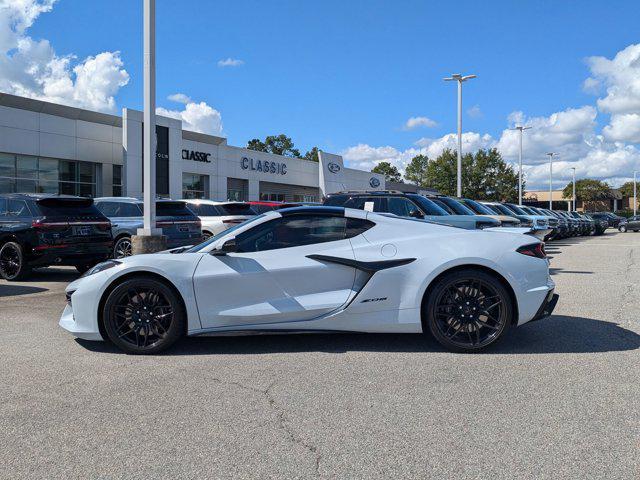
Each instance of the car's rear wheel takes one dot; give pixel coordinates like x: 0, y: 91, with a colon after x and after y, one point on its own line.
x: 622, y: 228
x: 143, y: 315
x: 468, y: 310
x: 122, y: 248
x: 13, y: 265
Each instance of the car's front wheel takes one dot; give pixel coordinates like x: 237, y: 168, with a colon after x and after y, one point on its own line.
x: 13, y: 265
x: 468, y: 310
x: 143, y: 315
x: 622, y: 228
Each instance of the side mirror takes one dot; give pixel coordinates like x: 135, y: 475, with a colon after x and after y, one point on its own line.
x: 229, y: 246
x: 416, y: 214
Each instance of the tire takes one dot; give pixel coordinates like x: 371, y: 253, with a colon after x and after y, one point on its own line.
x: 622, y: 228
x: 457, y: 315
x: 13, y: 265
x: 143, y: 315
x: 122, y: 248
x: 83, y: 268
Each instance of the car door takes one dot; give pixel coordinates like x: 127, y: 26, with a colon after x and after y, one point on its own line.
x: 634, y: 223
x: 271, y: 278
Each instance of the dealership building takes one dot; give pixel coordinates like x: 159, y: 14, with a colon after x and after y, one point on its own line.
x: 51, y: 148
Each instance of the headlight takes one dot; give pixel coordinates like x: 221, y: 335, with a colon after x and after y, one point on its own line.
x: 541, y: 223
x: 526, y: 222
x: 101, y: 267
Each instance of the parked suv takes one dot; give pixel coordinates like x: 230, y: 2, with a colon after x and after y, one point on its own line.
x: 179, y: 224
x: 216, y: 217
x: 409, y: 205
x: 38, y: 230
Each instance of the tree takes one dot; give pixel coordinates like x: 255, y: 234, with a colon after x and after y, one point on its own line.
x: 276, y: 144
x: 588, y: 190
x: 312, y: 155
x: 485, y: 175
x: 390, y: 172
x: 626, y: 190
x: 416, y: 171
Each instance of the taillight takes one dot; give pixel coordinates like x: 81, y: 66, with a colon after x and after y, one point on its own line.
x: 41, y: 224
x: 533, y: 250
x: 103, y: 226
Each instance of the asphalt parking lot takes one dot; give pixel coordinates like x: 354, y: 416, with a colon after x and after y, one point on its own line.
x: 559, y: 398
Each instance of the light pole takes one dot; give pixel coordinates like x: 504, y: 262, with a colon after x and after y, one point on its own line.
x: 551, y: 154
x: 521, y: 129
x: 149, y: 238
x: 460, y: 79
x: 635, y: 200
x: 574, y: 188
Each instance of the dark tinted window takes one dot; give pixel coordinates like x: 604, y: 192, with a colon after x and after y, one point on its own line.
x: 3, y: 206
x: 292, y: 231
x: 119, y: 209
x: 335, y: 200
x: 443, y: 206
x: 511, y: 208
x: 173, y: 209
x: 205, y: 210
x: 50, y: 207
x: 428, y: 206
x: 457, y: 207
x: 262, y: 208
x: 17, y: 208
x: 360, y: 203
x: 403, y: 207
x: 236, y: 209
x: 477, y: 207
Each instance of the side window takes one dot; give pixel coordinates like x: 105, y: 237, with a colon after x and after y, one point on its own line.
x: 293, y: 231
x: 3, y: 207
x: 403, y: 207
x: 17, y: 208
x: 356, y: 226
x: 129, y: 210
x: 359, y: 203
x: 108, y: 209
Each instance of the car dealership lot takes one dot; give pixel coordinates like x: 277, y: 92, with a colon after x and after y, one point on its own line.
x: 557, y: 398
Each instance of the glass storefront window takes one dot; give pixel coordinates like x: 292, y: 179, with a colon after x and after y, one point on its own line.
x: 234, y: 195
x: 117, y: 180
x: 195, y: 185
x: 27, y: 174
x: 272, y: 197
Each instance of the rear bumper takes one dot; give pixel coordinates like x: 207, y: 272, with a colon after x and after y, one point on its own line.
x: 79, y: 254
x: 547, y: 307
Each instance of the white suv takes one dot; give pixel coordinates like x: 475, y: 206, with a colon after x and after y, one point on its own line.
x: 216, y: 217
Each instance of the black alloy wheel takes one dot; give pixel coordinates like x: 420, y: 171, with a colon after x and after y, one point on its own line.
x: 122, y: 248
x: 143, y: 315
x: 12, y: 262
x: 468, y: 310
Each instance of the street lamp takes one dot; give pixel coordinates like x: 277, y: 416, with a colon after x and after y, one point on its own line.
x: 635, y: 200
x: 521, y: 129
x: 460, y: 79
x: 551, y: 154
x: 574, y: 188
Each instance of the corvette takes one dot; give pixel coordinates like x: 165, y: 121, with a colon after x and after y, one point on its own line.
x: 319, y: 269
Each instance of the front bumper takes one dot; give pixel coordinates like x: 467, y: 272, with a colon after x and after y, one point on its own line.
x: 547, y: 307
x: 68, y: 322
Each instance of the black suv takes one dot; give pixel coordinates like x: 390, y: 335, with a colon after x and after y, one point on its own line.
x: 42, y: 230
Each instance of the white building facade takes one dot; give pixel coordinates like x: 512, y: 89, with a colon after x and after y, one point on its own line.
x: 50, y: 148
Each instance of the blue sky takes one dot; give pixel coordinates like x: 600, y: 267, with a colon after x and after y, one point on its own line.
x: 347, y: 76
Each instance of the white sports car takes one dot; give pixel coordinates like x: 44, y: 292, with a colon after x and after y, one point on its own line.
x: 319, y: 269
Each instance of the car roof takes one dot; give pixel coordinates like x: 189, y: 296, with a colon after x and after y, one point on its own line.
x: 37, y: 196
x: 134, y: 200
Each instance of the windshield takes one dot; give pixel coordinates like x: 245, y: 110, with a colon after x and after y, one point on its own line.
x: 224, y: 233
x: 477, y: 207
x: 428, y: 206
x: 456, y: 206
x: 515, y: 209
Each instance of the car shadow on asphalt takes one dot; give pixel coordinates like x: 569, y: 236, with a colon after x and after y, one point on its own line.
x: 8, y: 290
x: 557, y: 334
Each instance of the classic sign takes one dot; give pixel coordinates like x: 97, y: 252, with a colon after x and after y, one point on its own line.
x: 196, y: 156
x: 374, y: 182
x: 264, y: 166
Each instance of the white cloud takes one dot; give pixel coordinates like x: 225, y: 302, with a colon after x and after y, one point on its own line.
x: 471, y: 141
x: 230, y: 62
x: 621, y: 78
x: 416, y: 122
x: 475, y: 112
x: 179, y: 98
x: 197, y: 117
x: 31, y: 68
x: 624, y: 127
